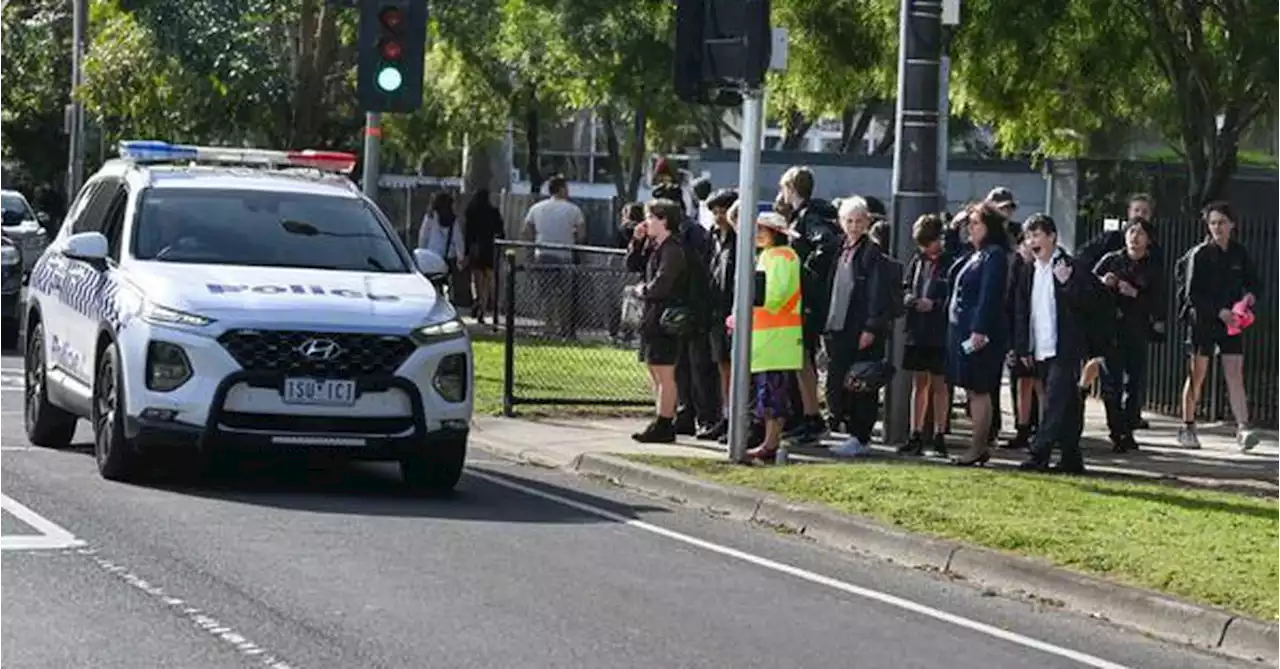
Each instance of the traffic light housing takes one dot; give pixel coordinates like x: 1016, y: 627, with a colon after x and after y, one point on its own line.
x: 392, y: 53
x: 722, y: 47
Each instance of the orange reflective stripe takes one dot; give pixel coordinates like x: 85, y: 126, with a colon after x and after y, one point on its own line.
x: 788, y: 316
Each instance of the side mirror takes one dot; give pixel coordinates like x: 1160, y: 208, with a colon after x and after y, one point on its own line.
x: 87, y: 246
x: 429, y: 263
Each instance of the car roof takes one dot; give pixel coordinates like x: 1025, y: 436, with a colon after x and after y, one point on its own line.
x: 216, y: 177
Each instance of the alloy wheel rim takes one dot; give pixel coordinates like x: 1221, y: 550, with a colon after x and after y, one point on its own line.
x: 35, y: 381
x: 105, y: 408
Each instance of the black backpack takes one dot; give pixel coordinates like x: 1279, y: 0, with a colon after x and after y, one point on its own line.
x: 1181, y: 289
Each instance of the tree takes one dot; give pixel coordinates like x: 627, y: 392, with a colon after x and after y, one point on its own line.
x: 842, y: 61
x: 1048, y: 76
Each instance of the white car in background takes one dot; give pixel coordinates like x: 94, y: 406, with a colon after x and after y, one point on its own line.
x: 224, y: 299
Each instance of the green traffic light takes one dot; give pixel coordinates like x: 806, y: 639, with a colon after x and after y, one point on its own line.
x: 389, y: 79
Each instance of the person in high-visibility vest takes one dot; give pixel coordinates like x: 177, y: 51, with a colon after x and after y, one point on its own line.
x: 777, y: 340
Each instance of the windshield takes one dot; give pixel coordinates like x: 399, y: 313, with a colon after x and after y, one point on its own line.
x: 263, y: 228
x: 15, y: 209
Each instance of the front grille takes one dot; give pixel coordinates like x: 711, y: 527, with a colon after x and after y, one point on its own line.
x: 281, y: 351
x: 316, y: 424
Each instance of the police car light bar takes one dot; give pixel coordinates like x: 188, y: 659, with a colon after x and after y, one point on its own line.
x: 153, y: 151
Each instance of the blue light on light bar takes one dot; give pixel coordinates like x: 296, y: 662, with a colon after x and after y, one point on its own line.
x: 143, y: 150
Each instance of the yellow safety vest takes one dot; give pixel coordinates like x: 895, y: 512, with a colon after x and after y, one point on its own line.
x: 777, y: 339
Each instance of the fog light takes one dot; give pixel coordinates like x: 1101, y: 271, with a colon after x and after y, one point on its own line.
x: 159, y: 415
x: 451, y: 377
x: 167, y: 366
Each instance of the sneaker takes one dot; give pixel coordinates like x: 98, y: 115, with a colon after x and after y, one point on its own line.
x: 914, y: 445
x: 939, y: 445
x: 851, y: 448
x: 660, y: 431
x: 1187, y: 437
x: 714, y: 432
x: 1246, y: 438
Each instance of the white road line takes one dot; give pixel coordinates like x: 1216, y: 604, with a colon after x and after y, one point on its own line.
x: 51, y: 534
x: 849, y: 588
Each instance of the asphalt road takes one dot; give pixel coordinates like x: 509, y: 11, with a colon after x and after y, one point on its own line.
x: 286, y: 566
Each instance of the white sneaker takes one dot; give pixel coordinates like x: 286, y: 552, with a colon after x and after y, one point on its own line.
x: 1246, y: 439
x: 851, y: 448
x: 1187, y: 438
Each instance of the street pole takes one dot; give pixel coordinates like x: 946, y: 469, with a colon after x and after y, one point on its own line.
x: 372, y: 134
x: 915, y: 166
x: 744, y: 273
x: 75, y: 120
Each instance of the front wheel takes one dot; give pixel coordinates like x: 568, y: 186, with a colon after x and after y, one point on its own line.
x: 437, y: 468
x: 117, y: 458
x: 48, y: 425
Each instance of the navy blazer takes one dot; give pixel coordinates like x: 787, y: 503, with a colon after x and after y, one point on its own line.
x: 978, y: 295
x: 1074, y: 299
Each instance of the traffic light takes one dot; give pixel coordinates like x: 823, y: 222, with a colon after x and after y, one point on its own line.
x: 392, y: 44
x: 721, y: 47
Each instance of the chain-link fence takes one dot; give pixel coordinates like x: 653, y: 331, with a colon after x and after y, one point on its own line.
x: 561, y: 307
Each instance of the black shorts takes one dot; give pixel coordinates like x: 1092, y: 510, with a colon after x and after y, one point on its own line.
x: 931, y: 359
x: 1204, y: 340
x: 659, y: 349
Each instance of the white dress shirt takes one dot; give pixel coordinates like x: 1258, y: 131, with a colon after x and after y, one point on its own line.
x: 445, y: 241
x: 1044, y: 312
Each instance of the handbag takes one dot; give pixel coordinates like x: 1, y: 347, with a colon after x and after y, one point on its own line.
x: 632, y: 309
x: 677, y: 321
x: 869, y: 376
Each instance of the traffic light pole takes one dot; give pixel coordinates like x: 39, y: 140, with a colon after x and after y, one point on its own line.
x: 372, y: 136
x: 744, y: 273
x: 915, y: 166
x: 75, y: 120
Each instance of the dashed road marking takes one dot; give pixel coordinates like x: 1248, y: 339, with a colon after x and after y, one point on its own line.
x: 210, y: 625
x: 51, y: 535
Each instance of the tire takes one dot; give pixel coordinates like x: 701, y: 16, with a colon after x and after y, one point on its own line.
x: 437, y: 469
x: 47, y: 425
x: 116, y: 456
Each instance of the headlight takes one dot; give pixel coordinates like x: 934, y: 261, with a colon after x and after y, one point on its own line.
x: 10, y: 255
x: 155, y: 313
x: 437, y: 332
x: 451, y: 378
x: 167, y: 366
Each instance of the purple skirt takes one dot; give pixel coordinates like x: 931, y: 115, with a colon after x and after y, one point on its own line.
x: 771, y: 395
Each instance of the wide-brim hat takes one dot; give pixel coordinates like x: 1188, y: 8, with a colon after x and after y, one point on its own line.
x: 777, y: 223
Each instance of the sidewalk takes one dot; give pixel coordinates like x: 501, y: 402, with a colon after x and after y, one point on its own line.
x: 1218, y: 464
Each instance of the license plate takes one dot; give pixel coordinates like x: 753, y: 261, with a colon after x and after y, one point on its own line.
x: 322, y: 392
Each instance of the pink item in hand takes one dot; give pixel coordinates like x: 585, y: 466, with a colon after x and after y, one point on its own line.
x: 728, y: 322
x: 1244, y: 317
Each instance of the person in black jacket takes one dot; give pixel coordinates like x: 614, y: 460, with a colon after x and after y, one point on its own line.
x: 1049, y: 335
x: 862, y: 303
x: 724, y: 239
x: 656, y: 250
x: 817, y: 242
x: 1141, y: 206
x: 925, y: 292
x: 1135, y: 281
x: 1219, y: 276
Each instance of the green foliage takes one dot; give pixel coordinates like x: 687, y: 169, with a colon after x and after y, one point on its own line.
x: 36, y: 42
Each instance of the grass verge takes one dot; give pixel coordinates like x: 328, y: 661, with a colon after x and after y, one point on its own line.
x: 555, y: 370
x: 1215, y: 548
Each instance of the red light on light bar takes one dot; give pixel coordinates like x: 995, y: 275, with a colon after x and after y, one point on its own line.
x: 330, y: 161
x: 391, y: 17
x: 391, y: 50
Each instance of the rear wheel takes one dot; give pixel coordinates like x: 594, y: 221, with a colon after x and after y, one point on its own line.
x: 117, y: 458
x: 437, y: 468
x: 47, y: 425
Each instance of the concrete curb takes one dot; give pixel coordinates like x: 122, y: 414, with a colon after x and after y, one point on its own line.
x: 1146, y: 611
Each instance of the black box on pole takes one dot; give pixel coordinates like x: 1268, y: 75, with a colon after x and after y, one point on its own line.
x: 721, y: 47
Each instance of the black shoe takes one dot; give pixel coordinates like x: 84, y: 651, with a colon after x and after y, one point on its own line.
x: 1072, y: 469
x: 1034, y: 465
x: 714, y: 432
x: 1021, y: 441
x: 686, y: 424
x: 660, y: 431
x: 914, y: 445
x: 938, y: 445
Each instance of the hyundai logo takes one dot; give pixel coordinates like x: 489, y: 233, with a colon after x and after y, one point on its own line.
x: 320, y: 349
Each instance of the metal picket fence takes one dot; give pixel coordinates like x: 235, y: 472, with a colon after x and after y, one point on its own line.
x: 564, y: 343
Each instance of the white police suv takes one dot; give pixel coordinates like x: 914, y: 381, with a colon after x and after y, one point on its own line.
x: 228, y: 299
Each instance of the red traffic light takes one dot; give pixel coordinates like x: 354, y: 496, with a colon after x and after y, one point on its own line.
x: 391, y: 50
x: 392, y: 18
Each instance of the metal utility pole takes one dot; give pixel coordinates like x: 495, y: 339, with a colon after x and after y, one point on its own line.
x: 372, y: 136
x: 915, y: 165
x: 75, y: 111
x: 744, y: 272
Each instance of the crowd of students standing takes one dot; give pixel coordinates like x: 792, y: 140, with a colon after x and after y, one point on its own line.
x: 983, y: 296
